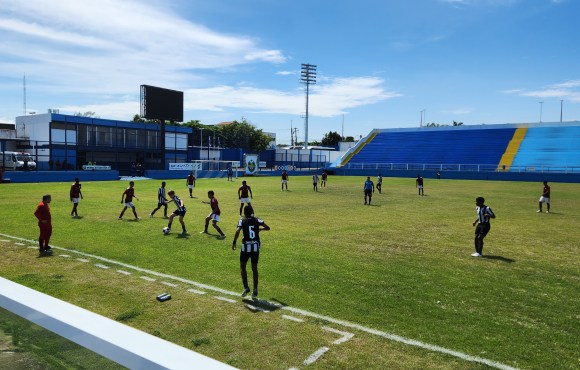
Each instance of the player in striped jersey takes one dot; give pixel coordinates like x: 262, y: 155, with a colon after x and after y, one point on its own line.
x: 180, y: 211
x: 161, y: 201
x: 251, y: 227
x: 484, y: 213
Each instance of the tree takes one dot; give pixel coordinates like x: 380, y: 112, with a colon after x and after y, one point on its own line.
x: 349, y: 139
x: 243, y: 135
x: 331, y: 138
x: 137, y: 118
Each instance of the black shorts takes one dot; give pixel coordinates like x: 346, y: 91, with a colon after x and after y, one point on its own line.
x: 245, y: 256
x: 179, y: 213
x: 368, y: 193
x: 482, y: 229
x: 161, y: 204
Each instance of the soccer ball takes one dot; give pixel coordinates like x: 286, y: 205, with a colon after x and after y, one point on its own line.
x: 166, y: 230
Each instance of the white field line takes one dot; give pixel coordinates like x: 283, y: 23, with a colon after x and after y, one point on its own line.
x: 20, y: 244
x: 169, y: 284
x: 347, y: 324
x: 32, y: 247
x: 224, y: 299
x: 292, y: 318
x: 64, y: 255
x: 82, y: 259
x: 147, y: 278
x: 195, y: 291
x: 101, y: 266
x: 123, y: 272
x: 316, y: 355
x: 345, y: 335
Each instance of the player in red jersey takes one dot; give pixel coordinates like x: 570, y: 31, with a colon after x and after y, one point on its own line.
x: 42, y: 213
x: 545, y: 198
x: 244, y: 194
x: 127, y: 199
x: 323, y: 178
x: 214, y: 216
x: 284, y: 179
x: 190, y: 182
x: 75, y: 192
x: 419, y: 184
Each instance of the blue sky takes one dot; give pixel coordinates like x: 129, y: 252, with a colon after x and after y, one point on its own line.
x: 380, y: 62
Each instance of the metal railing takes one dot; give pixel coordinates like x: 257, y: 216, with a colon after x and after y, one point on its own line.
x: 461, y: 167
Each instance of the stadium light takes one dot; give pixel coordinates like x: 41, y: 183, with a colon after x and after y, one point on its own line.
x: 307, y: 77
x: 561, y: 105
x: 541, y: 106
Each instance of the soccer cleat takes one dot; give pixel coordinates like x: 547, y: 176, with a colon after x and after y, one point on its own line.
x: 539, y: 211
x: 245, y: 292
x: 547, y: 211
x: 150, y: 215
x: 184, y: 233
x: 475, y: 254
x: 255, y: 293
x: 221, y: 237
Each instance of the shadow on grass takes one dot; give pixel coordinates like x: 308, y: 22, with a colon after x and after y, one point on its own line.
x: 261, y: 304
x: 499, y: 258
x: 77, y: 217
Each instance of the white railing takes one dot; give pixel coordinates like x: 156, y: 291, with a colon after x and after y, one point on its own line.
x: 127, y: 346
x: 460, y: 167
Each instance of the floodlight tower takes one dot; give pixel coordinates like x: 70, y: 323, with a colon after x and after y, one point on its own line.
x: 307, y: 77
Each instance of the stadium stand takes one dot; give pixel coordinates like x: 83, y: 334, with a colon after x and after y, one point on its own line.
x: 452, y: 146
x: 555, y: 149
x: 532, y: 147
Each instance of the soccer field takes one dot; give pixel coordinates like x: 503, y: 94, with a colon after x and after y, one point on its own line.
x: 335, y: 274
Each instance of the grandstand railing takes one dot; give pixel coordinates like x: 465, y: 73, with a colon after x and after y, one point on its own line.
x: 459, y: 167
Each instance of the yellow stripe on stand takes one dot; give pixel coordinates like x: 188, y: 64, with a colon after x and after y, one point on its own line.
x: 360, y: 147
x: 512, y: 149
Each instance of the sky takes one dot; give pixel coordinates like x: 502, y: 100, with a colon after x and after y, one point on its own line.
x: 380, y: 63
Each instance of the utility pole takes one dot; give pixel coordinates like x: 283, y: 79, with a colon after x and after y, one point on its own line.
x: 307, y: 77
x: 561, y: 104
x: 541, y: 106
x: 291, y: 134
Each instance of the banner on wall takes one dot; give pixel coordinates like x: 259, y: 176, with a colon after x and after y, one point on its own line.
x: 251, y: 164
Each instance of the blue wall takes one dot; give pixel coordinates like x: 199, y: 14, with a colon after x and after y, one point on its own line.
x: 60, y: 176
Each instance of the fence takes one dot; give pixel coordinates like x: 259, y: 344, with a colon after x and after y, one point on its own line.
x: 459, y: 167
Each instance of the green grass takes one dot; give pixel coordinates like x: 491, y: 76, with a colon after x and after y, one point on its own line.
x: 402, y: 266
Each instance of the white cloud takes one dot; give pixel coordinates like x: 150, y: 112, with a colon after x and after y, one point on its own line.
x: 459, y: 111
x: 326, y: 100
x: 107, y: 45
x: 104, y: 50
x: 569, y: 90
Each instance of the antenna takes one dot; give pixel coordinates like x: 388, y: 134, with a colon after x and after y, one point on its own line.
x: 24, y: 87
